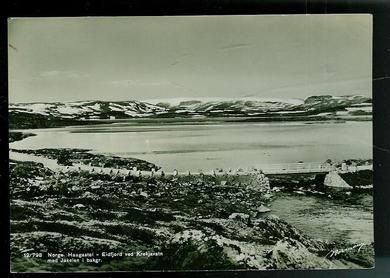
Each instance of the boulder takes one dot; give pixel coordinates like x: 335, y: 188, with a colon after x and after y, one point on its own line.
x: 263, y: 209
x: 243, y: 217
x: 260, y: 183
x: 333, y: 179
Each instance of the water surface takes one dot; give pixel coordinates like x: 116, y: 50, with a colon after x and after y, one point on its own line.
x: 187, y: 146
x: 327, y: 219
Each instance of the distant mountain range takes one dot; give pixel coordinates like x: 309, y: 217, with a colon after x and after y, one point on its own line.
x: 31, y: 115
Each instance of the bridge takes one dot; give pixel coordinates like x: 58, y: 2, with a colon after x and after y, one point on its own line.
x: 310, y: 167
x: 275, y: 169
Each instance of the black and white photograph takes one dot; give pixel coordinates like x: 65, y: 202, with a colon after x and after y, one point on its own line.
x: 175, y: 143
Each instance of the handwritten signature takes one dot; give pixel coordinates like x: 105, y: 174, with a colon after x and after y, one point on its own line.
x: 334, y: 253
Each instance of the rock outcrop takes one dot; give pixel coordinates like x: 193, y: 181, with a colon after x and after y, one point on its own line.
x: 333, y: 179
x: 291, y: 254
x: 259, y: 182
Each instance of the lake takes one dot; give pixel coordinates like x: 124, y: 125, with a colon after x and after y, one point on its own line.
x: 209, y: 145
x: 328, y: 219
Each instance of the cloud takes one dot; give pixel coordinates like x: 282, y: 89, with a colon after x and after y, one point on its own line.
x: 58, y: 74
x: 50, y: 77
x: 235, y: 46
x: 133, y: 83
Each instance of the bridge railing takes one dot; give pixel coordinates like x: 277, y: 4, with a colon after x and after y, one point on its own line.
x: 281, y: 168
x: 284, y: 168
x: 295, y: 167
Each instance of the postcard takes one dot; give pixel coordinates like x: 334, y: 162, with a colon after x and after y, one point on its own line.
x: 171, y: 143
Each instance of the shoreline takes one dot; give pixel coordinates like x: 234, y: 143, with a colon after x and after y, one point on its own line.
x: 15, y: 136
x: 63, y: 123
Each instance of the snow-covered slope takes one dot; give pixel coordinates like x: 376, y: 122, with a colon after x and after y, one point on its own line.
x: 88, y: 109
x: 177, y: 101
x: 66, y: 112
x: 125, y: 109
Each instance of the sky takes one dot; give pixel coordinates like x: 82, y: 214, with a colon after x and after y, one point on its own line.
x: 145, y: 58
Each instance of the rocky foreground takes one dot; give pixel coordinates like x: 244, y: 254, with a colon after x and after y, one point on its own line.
x: 80, y: 221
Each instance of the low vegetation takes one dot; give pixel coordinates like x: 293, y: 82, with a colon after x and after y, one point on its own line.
x: 196, y: 222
